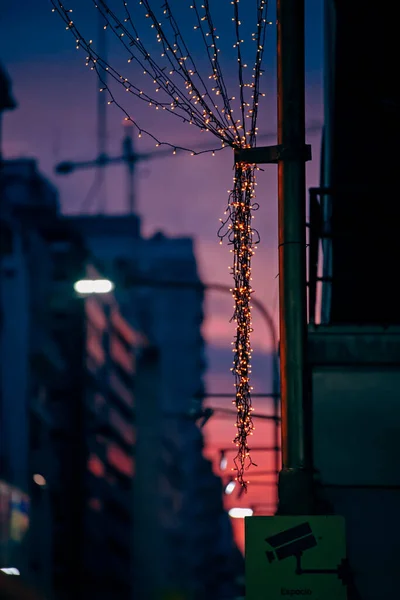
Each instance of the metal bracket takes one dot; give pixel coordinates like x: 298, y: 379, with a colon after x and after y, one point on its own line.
x: 272, y: 154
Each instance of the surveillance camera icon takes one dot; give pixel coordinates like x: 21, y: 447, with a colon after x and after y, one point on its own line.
x: 291, y: 542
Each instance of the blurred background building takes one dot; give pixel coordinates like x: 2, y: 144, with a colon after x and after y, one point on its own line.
x: 104, y: 490
x: 30, y: 357
x: 181, y: 537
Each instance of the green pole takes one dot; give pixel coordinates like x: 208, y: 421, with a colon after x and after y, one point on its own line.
x: 295, y: 479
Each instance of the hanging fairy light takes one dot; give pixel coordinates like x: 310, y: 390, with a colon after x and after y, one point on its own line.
x: 204, y: 101
x: 238, y: 230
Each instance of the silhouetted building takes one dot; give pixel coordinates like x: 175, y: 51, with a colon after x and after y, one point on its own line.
x: 360, y: 167
x: 104, y: 492
x: 93, y: 440
x: 354, y: 354
x: 111, y: 349
x: 67, y: 366
x: 158, y: 287
x: 27, y: 352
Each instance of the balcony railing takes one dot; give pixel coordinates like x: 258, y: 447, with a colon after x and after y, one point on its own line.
x: 319, y: 253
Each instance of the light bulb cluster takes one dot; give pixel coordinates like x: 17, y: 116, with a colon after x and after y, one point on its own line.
x: 204, y: 101
x: 180, y: 88
x: 237, y: 229
x: 178, y: 102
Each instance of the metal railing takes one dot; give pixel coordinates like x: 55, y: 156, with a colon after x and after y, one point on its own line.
x: 319, y: 249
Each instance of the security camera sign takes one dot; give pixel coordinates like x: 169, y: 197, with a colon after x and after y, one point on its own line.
x: 296, y: 557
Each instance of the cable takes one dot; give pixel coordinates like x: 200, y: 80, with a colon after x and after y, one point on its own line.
x: 181, y: 90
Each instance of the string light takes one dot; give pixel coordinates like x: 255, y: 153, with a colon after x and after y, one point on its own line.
x: 182, y: 91
x: 243, y: 238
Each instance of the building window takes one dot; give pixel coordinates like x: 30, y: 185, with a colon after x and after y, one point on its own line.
x: 6, y: 239
x: 96, y: 466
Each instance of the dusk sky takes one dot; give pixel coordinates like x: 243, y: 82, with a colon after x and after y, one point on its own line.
x: 179, y: 195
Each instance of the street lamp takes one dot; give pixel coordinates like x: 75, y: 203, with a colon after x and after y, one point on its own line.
x: 85, y: 287
x: 240, y: 513
x: 10, y: 571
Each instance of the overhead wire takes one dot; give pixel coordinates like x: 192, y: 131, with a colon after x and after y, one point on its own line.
x: 181, y: 90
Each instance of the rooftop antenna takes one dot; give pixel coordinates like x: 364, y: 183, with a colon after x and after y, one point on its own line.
x: 128, y: 152
x: 102, y: 118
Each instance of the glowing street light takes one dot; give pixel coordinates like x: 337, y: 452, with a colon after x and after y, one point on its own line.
x: 86, y: 287
x: 240, y: 513
x: 10, y: 571
x: 230, y: 486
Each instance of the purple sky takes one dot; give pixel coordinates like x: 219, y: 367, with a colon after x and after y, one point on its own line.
x: 181, y: 195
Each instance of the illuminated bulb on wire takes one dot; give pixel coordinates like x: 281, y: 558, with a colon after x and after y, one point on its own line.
x: 241, y: 235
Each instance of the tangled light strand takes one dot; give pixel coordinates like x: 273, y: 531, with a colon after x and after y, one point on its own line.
x: 182, y: 91
x: 240, y: 234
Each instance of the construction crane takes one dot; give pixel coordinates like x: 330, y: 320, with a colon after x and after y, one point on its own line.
x: 102, y: 116
x: 128, y: 155
x: 131, y: 158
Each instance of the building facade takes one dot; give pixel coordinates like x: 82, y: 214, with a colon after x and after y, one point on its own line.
x: 159, y: 289
x: 27, y: 351
x: 354, y: 340
x: 67, y: 437
x: 112, y: 347
x: 360, y: 182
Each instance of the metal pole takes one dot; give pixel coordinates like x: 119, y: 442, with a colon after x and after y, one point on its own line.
x: 277, y: 425
x: 102, y: 117
x: 295, y: 481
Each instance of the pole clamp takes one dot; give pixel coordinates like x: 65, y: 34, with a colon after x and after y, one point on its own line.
x: 272, y: 154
